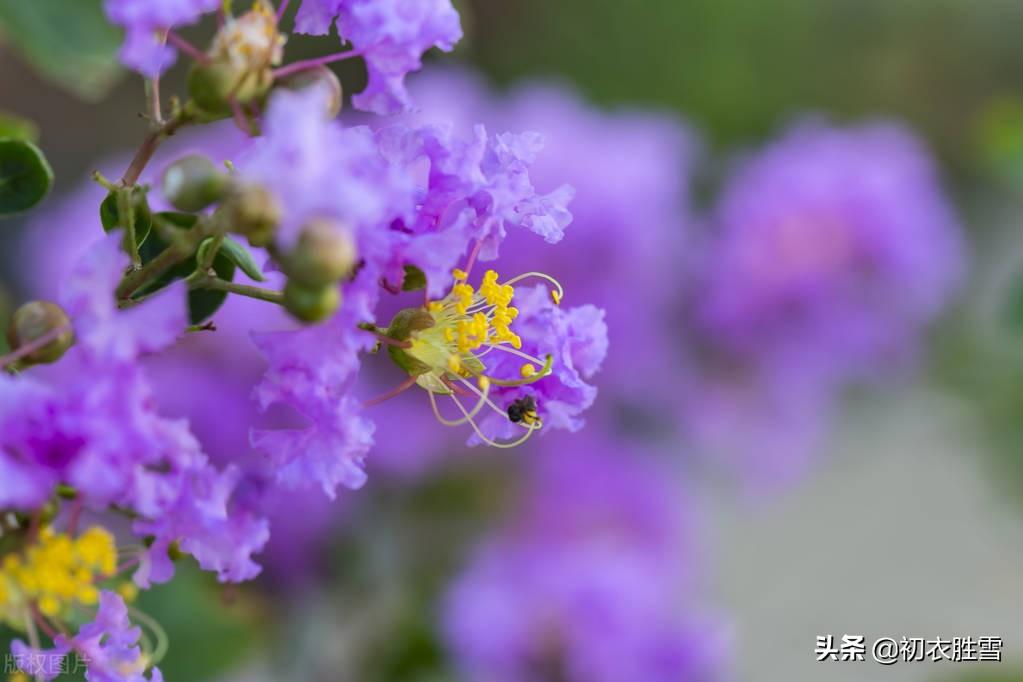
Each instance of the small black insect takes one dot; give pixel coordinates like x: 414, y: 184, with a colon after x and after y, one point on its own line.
x: 523, y: 411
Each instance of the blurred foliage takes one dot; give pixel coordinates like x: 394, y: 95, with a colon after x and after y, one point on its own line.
x: 18, y: 128
x: 999, y: 138
x: 741, y: 68
x: 211, y: 628
x: 67, y: 41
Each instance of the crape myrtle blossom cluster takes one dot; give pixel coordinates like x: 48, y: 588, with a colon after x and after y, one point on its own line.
x: 828, y: 254
x: 597, y: 585
x: 345, y: 215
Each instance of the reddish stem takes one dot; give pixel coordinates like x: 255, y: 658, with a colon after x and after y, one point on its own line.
x: 75, y: 515
x: 187, y: 47
x: 401, y: 388
x: 306, y: 64
x: 32, y: 346
x: 471, y: 260
x: 388, y: 341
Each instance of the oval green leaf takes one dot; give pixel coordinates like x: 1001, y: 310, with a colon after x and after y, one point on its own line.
x: 25, y: 176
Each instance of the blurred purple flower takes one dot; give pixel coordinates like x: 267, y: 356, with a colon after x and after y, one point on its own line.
x: 391, y: 35
x: 834, y: 247
x: 830, y: 252
x: 145, y: 23
x: 594, y: 586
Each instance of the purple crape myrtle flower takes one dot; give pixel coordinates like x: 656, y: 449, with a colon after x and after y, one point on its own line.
x: 403, y: 196
x: 595, y: 585
x: 146, y: 23
x: 830, y: 251
x: 391, y: 35
x: 88, y: 421
x: 833, y: 246
x: 108, y: 645
x: 625, y: 250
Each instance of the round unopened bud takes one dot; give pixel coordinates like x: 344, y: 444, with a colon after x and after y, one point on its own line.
x: 212, y: 86
x: 192, y: 183
x: 311, y: 304
x: 34, y: 320
x: 317, y: 77
x: 324, y: 254
x: 251, y: 211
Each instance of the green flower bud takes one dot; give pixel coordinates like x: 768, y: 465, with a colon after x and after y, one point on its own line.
x: 319, y: 76
x: 325, y: 254
x: 212, y: 85
x: 311, y: 304
x: 35, y: 319
x: 252, y: 211
x: 192, y: 183
x: 242, y: 56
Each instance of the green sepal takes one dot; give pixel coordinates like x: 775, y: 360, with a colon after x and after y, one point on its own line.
x: 415, y: 279
x: 25, y: 176
x: 240, y: 256
x: 407, y: 321
x: 111, y: 219
x: 406, y: 362
x: 202, y: 303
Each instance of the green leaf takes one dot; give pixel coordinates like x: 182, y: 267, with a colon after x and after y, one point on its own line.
x: 25, y: 176
x: 415, y: 279
x: 111, y: 219
x: 18, y: 128
x: 202, y: 303
x: 240, y: 256
x: 67, y: 41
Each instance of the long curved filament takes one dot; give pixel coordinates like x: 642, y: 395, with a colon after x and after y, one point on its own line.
x: 483, y: 400
x: 533, y: 427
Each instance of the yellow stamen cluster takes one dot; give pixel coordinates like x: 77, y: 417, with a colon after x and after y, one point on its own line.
x: 491, y: 321
x: 252, y: 41
x: 58, y: 571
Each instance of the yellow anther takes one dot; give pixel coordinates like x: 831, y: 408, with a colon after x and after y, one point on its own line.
x: 435, y: 306
x: 484, y: 382
x: 88, y: 595
x: 527, y: 370
x: 454, y: 364
x: 58, y: 571
x: 556, y: 296
x: 49, y: 605
x: 128, y: 591
x: 459, y: 274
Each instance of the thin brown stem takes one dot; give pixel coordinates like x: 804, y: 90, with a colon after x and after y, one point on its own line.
x: 151, y: 144
x: 399, y: 389
x: 32, y: 346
